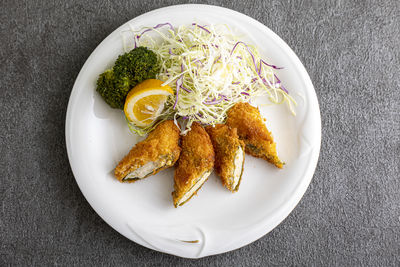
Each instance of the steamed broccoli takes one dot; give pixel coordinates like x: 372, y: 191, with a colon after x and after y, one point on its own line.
x: 129, y: 69
x: 113, y: 90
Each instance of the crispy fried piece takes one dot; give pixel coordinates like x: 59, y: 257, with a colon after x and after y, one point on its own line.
x: 229, y: 155
x: 160, y: 150
x: 252, y: 130
x: 194, y: 165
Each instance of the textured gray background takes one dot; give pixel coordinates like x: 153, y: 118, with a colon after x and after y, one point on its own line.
x: 350, y: 214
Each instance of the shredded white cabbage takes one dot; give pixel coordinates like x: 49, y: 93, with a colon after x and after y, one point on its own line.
x: 210, y: 70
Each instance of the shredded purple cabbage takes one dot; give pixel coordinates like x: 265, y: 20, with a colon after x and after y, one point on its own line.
x: 201, y: 27
x: 248, y: 50
x: 269, y: 65
x: 225, y: 98
x: 179, y: 82
x: 215, y: 61
x: 197, y: 61
x: 216, y: 101
x: 258, y: 70
x: 178, y: 86
x: 155, y: 27
x: 281, y: 85
x: 181, y: 86
x: 138, y: 36
x: 187, y: 90
x: 171, y: 53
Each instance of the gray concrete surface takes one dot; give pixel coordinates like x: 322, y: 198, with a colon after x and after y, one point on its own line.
x: 350, y: 214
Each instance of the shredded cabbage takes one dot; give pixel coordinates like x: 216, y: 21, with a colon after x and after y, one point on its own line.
x: 210, y: 70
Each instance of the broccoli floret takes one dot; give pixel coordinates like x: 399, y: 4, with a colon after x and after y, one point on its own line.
x: 139, y: 64
x: 112, y: 90
x: 129, y: 69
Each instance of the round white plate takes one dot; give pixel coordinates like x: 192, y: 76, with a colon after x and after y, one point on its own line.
x: 214, y: 221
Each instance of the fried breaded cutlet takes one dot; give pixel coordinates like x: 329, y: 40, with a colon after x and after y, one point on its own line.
x: 195, y: 164
x: 160, y: 150
x: 229, y: 155
x: 252, y: 130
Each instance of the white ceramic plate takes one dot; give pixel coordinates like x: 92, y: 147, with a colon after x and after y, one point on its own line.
x: 214, y: 221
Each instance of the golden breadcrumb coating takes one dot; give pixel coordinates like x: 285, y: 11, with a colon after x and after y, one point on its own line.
x: 197, y: 158
x: 162, y: 144
x: 252, y: 130
x: 226, y: 144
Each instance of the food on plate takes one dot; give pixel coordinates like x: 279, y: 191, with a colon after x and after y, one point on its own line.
x: 229, y: 155
x: 177, y: 80
x: 252, y: 130
x: 160, y: 150
x: 195, y: 164
x: 129, y: 69
x: 145, y: 102
x: 209, y: 69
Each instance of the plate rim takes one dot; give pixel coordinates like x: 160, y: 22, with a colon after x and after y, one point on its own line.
x: 289, y: 205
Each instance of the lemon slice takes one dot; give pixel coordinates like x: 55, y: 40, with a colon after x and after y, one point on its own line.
x: 145, y: 102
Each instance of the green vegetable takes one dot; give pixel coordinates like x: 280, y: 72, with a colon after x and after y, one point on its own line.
x: 210, y: 70
x: 112, y: 90
x: 130, y: 69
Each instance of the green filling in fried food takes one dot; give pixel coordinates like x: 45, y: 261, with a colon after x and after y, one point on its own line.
x: 194, y: 165
x: 229, y: 155
x: 252, y: 130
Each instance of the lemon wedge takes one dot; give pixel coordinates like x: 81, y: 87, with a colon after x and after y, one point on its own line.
x: 145, y: 102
